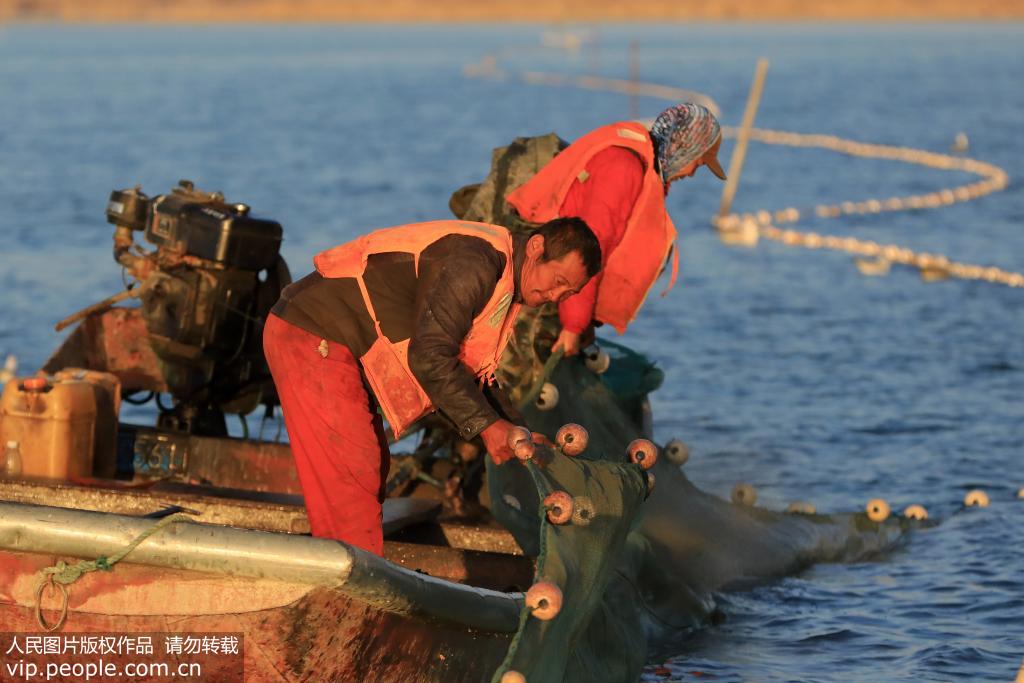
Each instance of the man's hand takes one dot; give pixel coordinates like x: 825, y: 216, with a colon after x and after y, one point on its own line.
x: 568, y: 341
x: 495, y: 438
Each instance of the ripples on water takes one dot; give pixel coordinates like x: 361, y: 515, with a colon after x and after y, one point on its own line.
x: 924, y: 612
x: 787, y: 369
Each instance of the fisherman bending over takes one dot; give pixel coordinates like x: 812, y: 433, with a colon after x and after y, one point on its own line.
x: 410, y: 319
x: 616, y: 179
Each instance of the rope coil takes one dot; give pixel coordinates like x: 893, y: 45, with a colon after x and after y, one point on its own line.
x: 39, y: 605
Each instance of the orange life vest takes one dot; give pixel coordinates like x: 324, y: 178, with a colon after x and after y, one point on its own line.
x: 386, y: 364
x: 633, y: 266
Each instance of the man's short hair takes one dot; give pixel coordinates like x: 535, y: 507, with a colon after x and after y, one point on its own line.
x: 565, y: 235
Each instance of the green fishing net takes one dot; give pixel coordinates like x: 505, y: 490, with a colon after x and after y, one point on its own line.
x: 586, y: 557
x: 630, y: 570
x: 577, y: 557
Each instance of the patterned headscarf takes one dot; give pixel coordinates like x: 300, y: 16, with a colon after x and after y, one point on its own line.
x: 683, y: 133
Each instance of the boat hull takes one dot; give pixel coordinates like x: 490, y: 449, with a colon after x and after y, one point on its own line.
x: 307, y: 609
x: 290, y: 631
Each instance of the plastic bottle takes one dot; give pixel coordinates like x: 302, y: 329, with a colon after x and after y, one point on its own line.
x: 12, y: 460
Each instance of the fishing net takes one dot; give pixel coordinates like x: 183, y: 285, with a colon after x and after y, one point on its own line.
x: 645, y: 568
x: 586, y: 557
x: 577, y: 558
x: 583, y: 400
x: 628, y: 570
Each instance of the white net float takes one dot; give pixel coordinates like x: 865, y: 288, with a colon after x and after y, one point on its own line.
x: 976, y: 498
x: 744, y: 494
x: 800, y: 507
x: 548, y: 397
x: 544, y: 599
x: 597, y: 360
x: 877, y: 509
x: 915, y: 512
x: 642, y: 452
x: 517, y: 435
x: 677, y: 452
x: 572, y: 439
x: 559, y: 507
x: 960, y: 143
x: 524, y: 450
x: 583, y: 511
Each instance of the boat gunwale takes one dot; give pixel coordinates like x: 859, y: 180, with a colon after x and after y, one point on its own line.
x: 231, y: 551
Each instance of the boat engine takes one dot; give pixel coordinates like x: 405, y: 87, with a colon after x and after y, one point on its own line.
x: 205, y: 292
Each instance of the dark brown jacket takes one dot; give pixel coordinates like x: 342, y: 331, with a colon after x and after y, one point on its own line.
x: 435, y: 310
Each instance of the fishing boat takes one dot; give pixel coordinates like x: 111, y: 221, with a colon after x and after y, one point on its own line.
x: 182, y: 528
x: 444, y: 602
x: 307, y: 607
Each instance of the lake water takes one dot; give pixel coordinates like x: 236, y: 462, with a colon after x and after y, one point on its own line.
x: 785, y: 368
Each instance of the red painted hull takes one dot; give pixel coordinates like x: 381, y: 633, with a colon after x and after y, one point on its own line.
x: 292, y: 631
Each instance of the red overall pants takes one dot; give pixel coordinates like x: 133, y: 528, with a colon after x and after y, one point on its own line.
x: 337, y: 436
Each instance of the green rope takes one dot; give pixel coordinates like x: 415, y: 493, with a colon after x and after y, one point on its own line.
x: 66, y: 574
x: 524, y: 615
x: 549, y: 367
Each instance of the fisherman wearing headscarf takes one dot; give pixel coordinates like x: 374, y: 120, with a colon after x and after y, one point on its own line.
x: 685, y: 137
x: 616, y: 178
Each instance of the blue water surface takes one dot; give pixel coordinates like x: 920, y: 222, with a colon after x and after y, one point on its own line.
x: 784, y: 368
